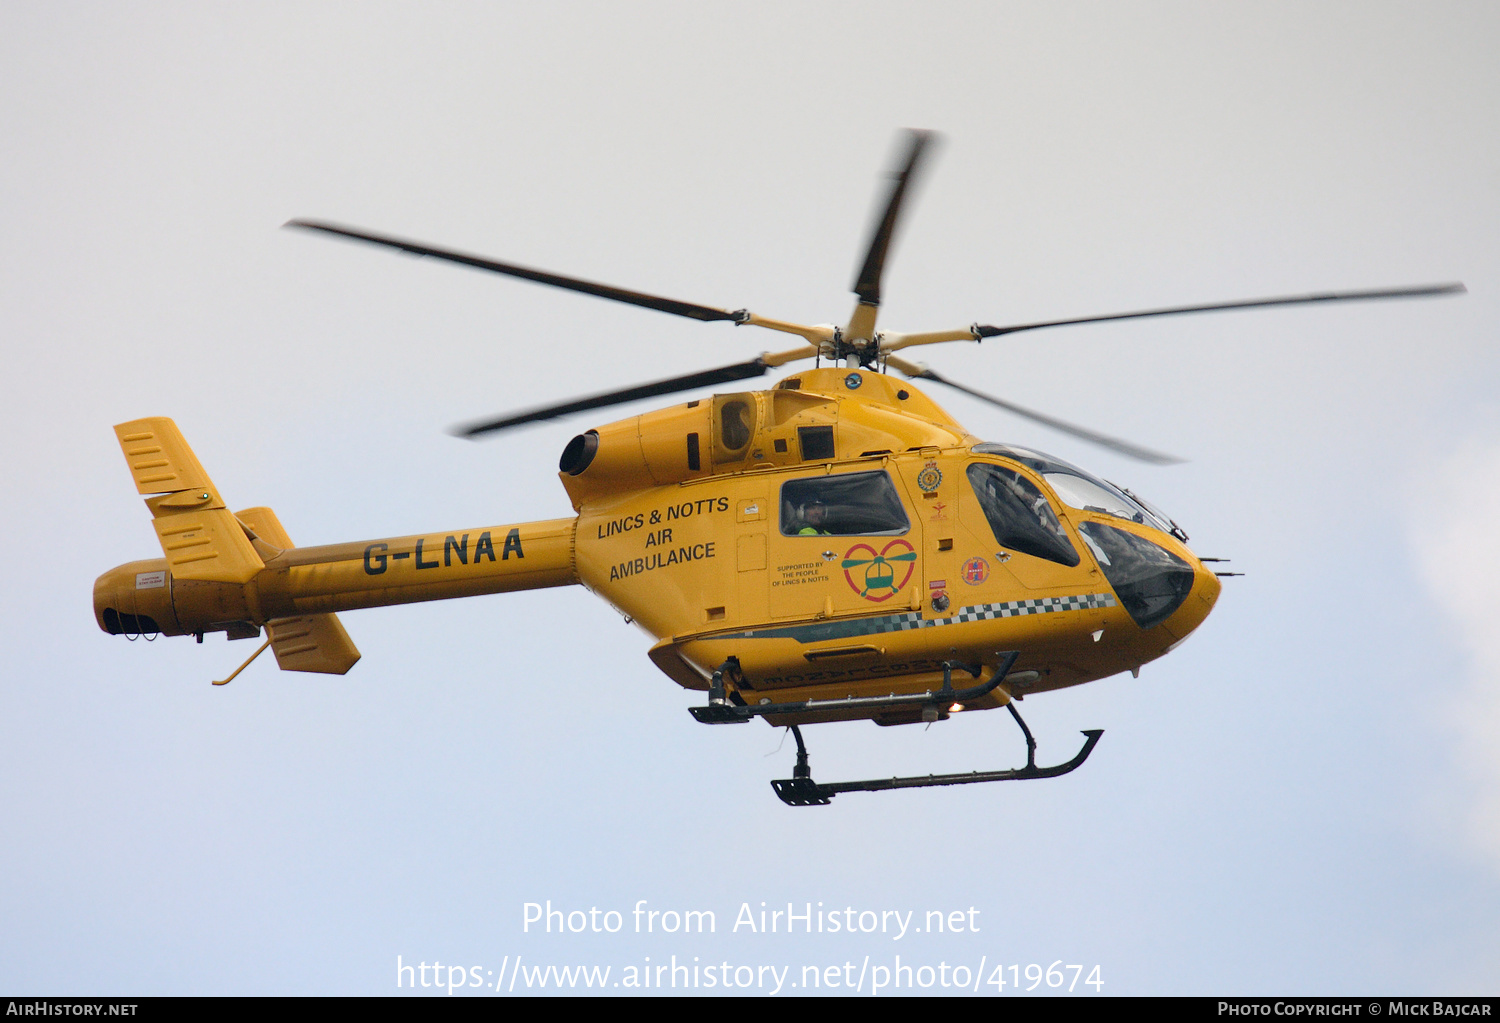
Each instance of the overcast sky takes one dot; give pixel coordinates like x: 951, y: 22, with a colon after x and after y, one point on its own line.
x: 1305, y: 798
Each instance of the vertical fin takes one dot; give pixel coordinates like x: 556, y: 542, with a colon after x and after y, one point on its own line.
x: 201, y: 539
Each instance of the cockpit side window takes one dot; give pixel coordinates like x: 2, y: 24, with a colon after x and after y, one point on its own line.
x: 1020, y: 515
x: 853, y: 504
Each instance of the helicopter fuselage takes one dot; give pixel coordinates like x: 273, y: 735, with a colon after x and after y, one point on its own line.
x: 906, y: 568
x: 839, y: 535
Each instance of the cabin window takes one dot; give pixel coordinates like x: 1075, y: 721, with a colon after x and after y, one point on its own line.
x: 1019, y: 514
x: 854, y: 504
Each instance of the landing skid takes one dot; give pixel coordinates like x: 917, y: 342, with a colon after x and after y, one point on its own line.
x: 801, y: 790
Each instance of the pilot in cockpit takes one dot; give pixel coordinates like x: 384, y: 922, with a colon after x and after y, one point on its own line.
x: 814, y: 516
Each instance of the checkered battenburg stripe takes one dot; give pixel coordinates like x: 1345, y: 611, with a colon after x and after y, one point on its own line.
x: 1040, y: 606
x: 913, y: 619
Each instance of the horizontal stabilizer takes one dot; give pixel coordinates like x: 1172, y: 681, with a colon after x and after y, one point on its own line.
x: 314, y: 642
x: 265, y: 531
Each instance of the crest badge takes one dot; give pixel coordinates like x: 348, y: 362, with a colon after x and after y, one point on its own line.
x: 930, y: 478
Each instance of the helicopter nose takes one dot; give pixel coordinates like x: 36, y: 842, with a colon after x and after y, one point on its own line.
x: 1206, y: 587
x: 1200, y: 601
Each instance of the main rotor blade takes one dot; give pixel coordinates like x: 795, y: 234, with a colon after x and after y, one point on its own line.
x: 707, y: 378
x: 867, y: 284
x: 664, y: 305
x: 1254, y: 303
x: 1124, y: 447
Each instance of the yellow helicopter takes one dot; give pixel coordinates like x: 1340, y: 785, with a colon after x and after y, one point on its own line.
x: 835, y: 548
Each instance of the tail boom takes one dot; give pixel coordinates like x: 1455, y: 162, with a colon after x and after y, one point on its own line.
x: 145, y: 597
x: 239, y: 572
x: 409, y: 569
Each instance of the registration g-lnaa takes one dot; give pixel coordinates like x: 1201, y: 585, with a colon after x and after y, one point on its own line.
x: 835, y: 548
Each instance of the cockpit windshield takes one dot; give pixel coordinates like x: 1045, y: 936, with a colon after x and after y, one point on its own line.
x: 1079, y: 489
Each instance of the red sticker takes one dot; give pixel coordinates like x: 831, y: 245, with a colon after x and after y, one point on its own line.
x: 976, y: 571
